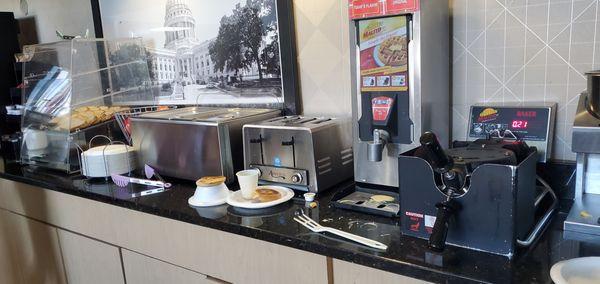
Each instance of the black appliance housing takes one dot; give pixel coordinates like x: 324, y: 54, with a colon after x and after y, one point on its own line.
x: 497, y: 209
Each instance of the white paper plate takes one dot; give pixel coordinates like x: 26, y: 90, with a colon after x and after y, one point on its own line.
x: 581, y: 270
x: 235, y: 199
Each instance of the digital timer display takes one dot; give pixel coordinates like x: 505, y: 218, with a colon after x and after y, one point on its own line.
x: 519, y: 124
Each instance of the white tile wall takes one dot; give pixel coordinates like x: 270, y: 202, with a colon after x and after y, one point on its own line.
x: 522, y: 51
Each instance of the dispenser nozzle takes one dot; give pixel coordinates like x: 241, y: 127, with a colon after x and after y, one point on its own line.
x: 375, y: 147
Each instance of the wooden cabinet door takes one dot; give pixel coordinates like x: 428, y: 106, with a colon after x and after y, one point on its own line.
x: 29, y: 251
x: 143, y: 269
x: 347, y: 272
x: 90, y: 261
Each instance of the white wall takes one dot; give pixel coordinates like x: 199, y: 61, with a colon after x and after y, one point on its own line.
x: 71, y: 17
x: 322, y: 42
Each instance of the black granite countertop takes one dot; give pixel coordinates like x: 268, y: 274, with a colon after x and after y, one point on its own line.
x: 405, y: 255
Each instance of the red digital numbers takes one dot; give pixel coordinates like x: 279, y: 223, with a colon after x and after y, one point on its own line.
x: 519, y: 124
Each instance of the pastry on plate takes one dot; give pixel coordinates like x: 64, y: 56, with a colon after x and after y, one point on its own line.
x: 210, y: 181
x: 266, y: 194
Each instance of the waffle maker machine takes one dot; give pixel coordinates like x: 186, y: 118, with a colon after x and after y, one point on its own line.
x: 399, y: 47
x: 480, y: 194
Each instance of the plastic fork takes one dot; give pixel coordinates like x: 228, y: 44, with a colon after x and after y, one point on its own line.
x: 317, y: 228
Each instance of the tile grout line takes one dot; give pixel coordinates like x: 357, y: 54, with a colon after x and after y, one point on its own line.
x: 562, y: 135
x: 493, y: 75
x: 485, y: 49
x: 535, y: 34
x: 525, y: 52
x: 482, y: 32
x: 466, y: 51
x: 504, y: 64
x: 595, y: 30
x: 546, y: 62
x: 458, y: 56
x: 576, y: 17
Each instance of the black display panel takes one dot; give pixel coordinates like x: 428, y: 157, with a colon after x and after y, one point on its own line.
x: 526, y: 123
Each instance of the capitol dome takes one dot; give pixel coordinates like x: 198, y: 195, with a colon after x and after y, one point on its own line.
x: 178, y: 16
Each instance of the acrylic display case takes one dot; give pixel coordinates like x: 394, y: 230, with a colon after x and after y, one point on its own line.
x: 72, y: 90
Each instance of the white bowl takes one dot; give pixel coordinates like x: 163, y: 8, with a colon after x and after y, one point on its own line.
x: 581, y: 270
x: 209, y: 195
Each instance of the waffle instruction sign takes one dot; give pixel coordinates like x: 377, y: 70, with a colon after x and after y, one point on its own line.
x: 383, y: 54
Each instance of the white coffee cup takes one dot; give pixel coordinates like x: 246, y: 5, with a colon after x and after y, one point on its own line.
x: 248, y: 181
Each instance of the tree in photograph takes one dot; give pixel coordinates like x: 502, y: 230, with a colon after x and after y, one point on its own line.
x: 252, y: 33
x: 151, y: 64
x: 270, y: 57
x: 131, y: 73
x: 225, y: 51
x: 240, y: 41
x: 266, y: 9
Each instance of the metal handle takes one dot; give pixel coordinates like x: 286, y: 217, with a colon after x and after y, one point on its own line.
x: 437, y: 239
x: 541, y: 224
x: 358, y: 239
x: 436, y: 155
x: 99, y: 136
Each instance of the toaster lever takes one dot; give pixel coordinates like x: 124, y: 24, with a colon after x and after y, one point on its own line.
x: 288, y: 143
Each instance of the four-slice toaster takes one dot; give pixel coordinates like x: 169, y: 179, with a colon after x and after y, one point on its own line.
x: 193, y: 142
x: 305, y: 153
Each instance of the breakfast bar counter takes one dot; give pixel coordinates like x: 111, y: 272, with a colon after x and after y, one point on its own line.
x: 163, y: 227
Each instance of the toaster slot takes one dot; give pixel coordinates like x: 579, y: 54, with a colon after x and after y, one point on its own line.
x: 291, y: 119
x: 321, y: 120
x: 291, y: 143
x: 277, y: 119
x: 259, y: 141
x: 304, y: 120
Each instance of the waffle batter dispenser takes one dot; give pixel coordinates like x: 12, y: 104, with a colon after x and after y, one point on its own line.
x: 400, y: 86
x: 479, y: 195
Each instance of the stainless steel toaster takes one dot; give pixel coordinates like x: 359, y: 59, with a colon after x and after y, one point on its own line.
x: 192, y: 142
x: 305, y: 153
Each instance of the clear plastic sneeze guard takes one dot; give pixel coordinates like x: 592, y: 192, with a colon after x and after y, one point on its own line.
x: 72, y: 90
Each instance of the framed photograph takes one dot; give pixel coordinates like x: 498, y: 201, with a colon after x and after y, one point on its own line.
x: 211, y: 52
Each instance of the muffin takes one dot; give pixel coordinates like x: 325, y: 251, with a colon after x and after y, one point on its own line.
x: 210, y: 181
